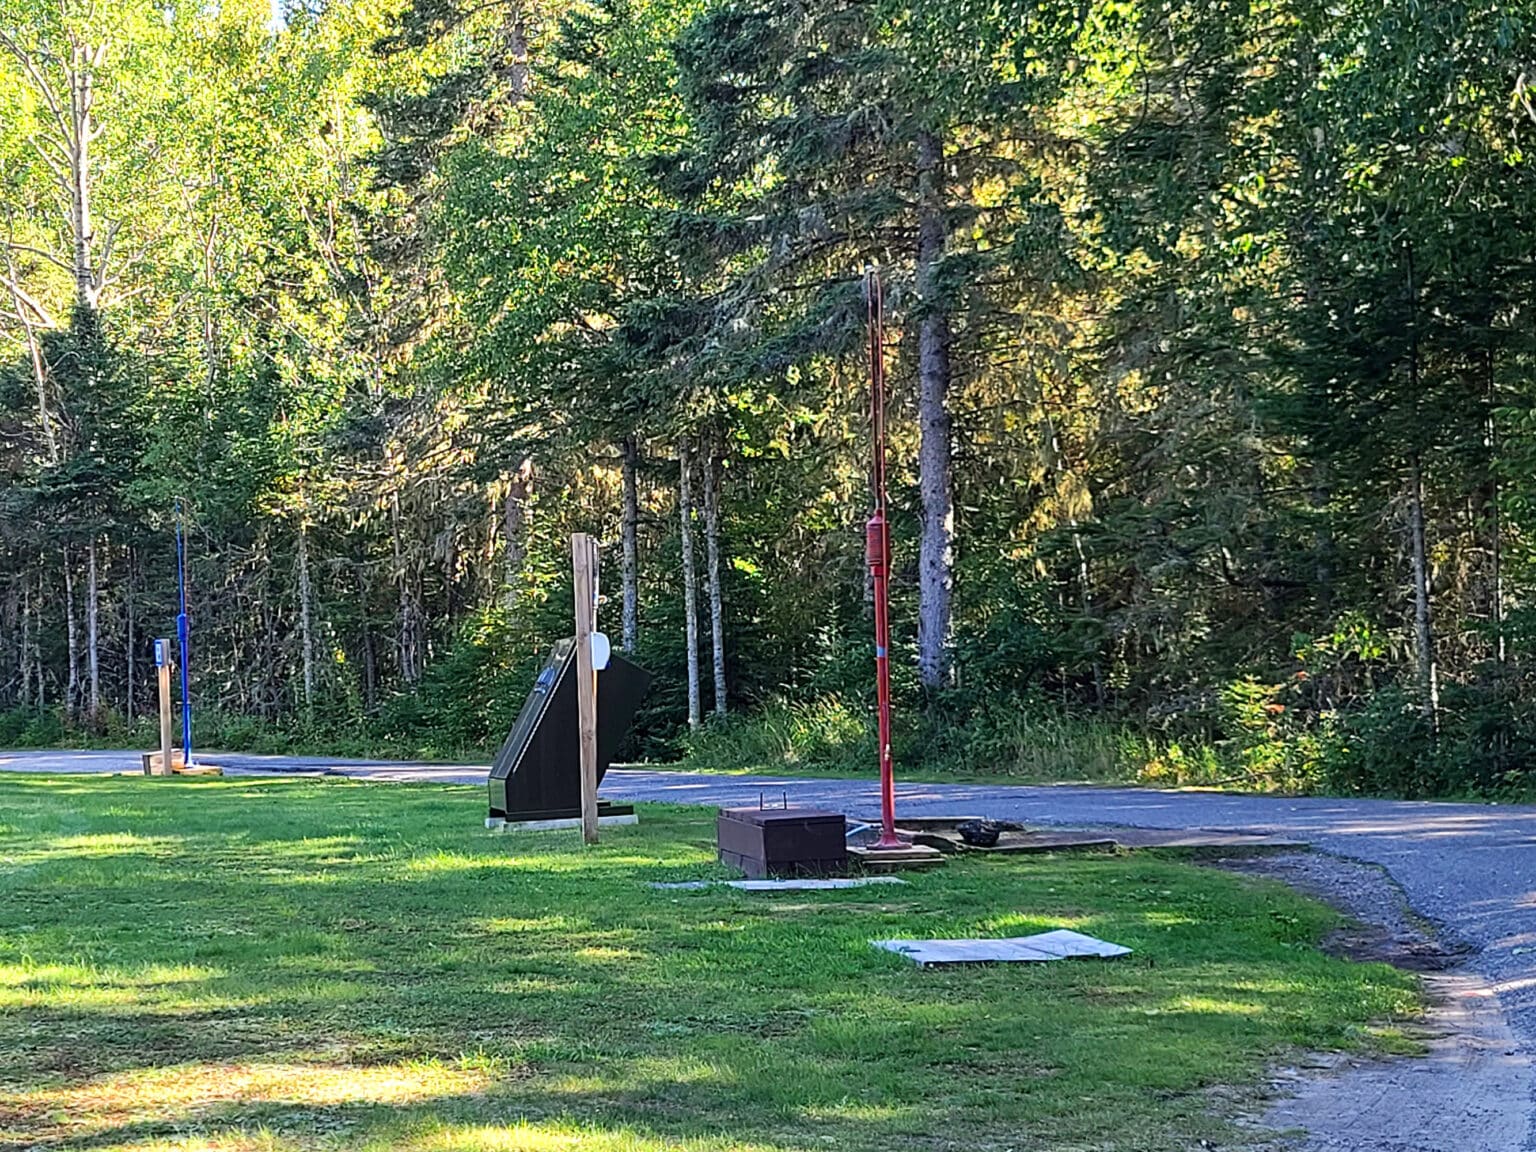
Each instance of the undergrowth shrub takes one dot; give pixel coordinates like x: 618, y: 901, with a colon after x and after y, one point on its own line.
x: 823, y: 734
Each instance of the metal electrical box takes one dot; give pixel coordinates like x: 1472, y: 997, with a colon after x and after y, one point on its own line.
x: 765, y: 842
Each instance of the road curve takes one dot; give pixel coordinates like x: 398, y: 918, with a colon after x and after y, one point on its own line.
x: 1471, y: 867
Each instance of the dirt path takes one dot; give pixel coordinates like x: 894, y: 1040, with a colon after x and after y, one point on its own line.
x: 1468, y: 1094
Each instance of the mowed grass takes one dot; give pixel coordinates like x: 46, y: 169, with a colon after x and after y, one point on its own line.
x: 287, y: 964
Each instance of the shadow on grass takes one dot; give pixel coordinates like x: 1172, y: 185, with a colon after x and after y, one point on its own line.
x: 342, y: 927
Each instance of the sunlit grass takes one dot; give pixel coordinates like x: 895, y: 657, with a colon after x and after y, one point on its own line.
x: 238, y: 965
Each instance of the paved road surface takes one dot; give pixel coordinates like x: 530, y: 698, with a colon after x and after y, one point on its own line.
x: 1471, y: 867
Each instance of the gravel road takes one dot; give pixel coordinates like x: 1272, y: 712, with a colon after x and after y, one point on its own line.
x: 1470, y: 867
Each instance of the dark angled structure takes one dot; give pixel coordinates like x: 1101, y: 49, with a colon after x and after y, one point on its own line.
x: 537, y: 773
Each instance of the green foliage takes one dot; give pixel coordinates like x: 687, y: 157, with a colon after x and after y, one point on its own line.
x: 392, y: 296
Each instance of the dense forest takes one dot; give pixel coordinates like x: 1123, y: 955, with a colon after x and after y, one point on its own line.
x: 1212, y: 412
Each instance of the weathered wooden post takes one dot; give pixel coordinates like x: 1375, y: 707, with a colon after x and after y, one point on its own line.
x: 163, y: 673
x: 584, y: 566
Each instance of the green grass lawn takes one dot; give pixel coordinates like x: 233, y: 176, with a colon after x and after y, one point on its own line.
x: 275, y: 965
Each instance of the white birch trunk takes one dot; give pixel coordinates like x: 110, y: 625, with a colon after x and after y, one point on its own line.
x: 82, y: 98
x: 935, y: 450
x: 1423, y: 635
x: 71, y: 642
x: 132, y: 652
x: 630, y: 620
x: 24, y: 662
x: 93, y: 634
x: 690, y: 580
x: 37, y: 639
x: 25, y: 316
x: 712, y: 552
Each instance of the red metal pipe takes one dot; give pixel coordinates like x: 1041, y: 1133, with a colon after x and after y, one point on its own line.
x: 877, y: 548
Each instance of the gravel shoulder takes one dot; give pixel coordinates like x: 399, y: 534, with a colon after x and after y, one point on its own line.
x: 1469, y: 1092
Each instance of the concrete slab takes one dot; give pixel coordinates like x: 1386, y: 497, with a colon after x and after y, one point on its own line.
x: 807, y: 884
x: 497, y: 825
x: 1200, y: 838
x: 1061, y: 944
x: 1039, y: 843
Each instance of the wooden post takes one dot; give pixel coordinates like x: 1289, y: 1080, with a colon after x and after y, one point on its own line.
x: 584, y: 566
x: 164, y: 674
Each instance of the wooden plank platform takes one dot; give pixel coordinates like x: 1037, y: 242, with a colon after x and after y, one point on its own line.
x: 912, y: 856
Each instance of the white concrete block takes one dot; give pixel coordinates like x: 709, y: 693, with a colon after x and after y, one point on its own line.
x: 1061, y: 944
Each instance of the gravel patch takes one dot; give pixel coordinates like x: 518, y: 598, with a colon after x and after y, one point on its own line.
x: 1382, y: 927
x: 1469, y: 1093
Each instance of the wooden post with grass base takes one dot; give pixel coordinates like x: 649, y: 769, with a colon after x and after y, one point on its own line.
x: 163, y: 674
x: 584, y: 568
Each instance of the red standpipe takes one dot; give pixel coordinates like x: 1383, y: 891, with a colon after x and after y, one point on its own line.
x: 878, y: 552
x: 877, y: 547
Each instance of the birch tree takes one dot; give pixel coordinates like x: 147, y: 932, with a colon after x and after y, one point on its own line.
x: 685, y: 512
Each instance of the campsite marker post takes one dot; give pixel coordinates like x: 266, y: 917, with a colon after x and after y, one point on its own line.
x: 584, y: 568
x: 163, y: 674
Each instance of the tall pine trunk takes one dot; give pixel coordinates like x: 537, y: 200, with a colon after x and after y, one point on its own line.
x: 712, y: 552
x: 630, y: 626
x: 1084, y: 574
x: 71, y: 642
x: 93, y: 635
x: 1423, y: 635
x: 935, y: 450
x: 24, y: 661
x: 132, y: 653
x: 407, y: 647
x: 517, y: 513
x: 690, y: 579
x: 1495, y: 514
x: 306, y: 634
x: 37, y: 638
x: 370, y: 654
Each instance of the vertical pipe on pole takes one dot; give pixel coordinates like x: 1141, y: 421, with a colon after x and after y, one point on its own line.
x: 878, y: 555
x: 182, y: 639
x: 584, y: 570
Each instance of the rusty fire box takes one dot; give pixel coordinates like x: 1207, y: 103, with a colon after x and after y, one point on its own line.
x: 765, y: 842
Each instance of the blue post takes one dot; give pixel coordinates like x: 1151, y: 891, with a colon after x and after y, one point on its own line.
x: 182, y: 632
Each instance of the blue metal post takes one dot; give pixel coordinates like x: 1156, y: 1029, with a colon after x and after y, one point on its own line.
x: 182, y: 636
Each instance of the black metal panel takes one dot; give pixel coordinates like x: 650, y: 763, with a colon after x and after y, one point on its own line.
x: 537, y: 773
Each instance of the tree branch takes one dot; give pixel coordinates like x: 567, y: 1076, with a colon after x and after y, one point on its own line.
x: 39, y: 81
x: 44, y: 317
x: 106, y: 251
x: 18, y: 246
